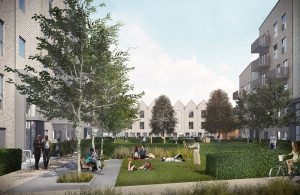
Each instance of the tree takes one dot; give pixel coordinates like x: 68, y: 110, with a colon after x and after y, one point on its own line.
x: 163, y: 116
x: 219, y: 113
x: 81, y: 63
x: 268, y: 106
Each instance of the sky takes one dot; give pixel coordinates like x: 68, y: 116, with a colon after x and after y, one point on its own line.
x: 185, y: 49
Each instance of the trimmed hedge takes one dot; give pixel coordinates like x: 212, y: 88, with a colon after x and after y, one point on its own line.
x: 10, y: 160
x: 241, y: 164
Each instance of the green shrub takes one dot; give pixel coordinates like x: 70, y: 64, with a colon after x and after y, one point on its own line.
x: 74, y: 177
x: 122, y: 152
x: 100, y: 191
x: 10, y: 160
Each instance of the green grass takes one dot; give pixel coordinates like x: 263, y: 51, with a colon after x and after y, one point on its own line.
x: 163, y: 172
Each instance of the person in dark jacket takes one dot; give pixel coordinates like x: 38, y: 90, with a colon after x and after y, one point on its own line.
x: 37, y: 149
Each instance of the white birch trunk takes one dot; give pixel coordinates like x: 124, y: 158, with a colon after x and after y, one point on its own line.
x: 78, y: 130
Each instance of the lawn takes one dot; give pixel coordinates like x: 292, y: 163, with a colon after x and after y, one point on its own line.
x: 163, y: 172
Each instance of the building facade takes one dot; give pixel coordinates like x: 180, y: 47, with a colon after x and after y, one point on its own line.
x: 19, y: 121
x: 278, y: 46
x: 189, y: 121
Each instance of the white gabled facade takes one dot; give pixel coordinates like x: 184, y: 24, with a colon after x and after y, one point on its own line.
x: 189, y: 120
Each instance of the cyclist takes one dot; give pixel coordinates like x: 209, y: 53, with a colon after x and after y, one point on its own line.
x: 296, y: 158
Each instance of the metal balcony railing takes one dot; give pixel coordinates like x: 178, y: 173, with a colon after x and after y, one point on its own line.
x: 255, y: 83
x: 279, y: 73
x: 260, y: 44
x: 260, y: 64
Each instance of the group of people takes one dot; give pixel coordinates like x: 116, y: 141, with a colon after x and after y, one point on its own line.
x: 41, y: 146
x: 142, y: 154
x: 92, y: 159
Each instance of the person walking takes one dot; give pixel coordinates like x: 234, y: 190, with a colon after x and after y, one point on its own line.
x: 196, y: 154
x: 37, y: 149
x: 46, y: 151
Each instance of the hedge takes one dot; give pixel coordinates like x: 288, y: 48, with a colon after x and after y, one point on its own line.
x: 241, y: 164
x: 10, y: 160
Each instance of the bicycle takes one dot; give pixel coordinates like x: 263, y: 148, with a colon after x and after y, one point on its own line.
x: 280, y: 168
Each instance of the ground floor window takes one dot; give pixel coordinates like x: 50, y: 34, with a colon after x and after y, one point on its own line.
x: 132, y: 134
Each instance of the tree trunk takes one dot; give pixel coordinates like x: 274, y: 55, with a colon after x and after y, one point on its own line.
x: 101, y: 153
x: 93, y: 141
x: 78, y: 129
x: 151, y: 138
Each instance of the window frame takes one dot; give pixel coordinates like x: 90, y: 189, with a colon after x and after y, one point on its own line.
x: 283, y: 20
x: 275, y: 29
x: 191, y: 114
x: 22, y: 5
x: 191, y: 124
x: 142, y: 125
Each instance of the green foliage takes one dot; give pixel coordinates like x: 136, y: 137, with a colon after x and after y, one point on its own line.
x: 163, y: 116
x: 10, y: 160
x: 66, y: 147
x: 219, y: 113
x: 74, y: 178
x: 250, y: 162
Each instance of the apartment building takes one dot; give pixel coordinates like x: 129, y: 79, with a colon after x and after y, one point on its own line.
x: 19, y: 121
x: 189, y: 121
x: 278, y: 46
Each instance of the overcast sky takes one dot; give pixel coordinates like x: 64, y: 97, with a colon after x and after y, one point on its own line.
x: 187, y: 48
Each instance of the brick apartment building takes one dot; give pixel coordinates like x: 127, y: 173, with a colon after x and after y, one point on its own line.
x: 20, y: 122
x: 278, y: 46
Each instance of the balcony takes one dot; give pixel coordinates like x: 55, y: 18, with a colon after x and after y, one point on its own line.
x: 255, y: 83
x: 259, y: 64
x: 260, y: 45
x: 279, y: 73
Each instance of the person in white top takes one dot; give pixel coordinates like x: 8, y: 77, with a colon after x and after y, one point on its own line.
x: 46, y: 151
x: 196, y: 154
x: 296, y: 157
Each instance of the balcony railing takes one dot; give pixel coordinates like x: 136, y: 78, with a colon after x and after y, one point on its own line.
x: 260, y: 44
x: 279, y: 73
x: 260, y: 64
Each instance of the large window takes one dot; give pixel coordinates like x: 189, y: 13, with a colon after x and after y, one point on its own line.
x: 1, y: 37
x: 203, y: 113
x: 21, y: 47
x: 191, y: 125
x: 191, y: 114
x: 285, y: 64
x: 142, y: 114
x: 22, y: 5
x: 275, y: 29
x: 142, y: 125
x: 283, y: 18
x: 178, y: 113
x: 283, y: 43
x: 1, y: 91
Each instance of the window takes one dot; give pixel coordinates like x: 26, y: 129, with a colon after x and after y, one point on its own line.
x: 132, y: 134
x: 278, y: 69
x: 144, y: 134
x: 283, y: 18
x: 178, y: 113
x: 138, y: 134
x: 191, y: 114
x: 1, y: 37
x: 142, y: 114
x: 203, y: 113
x: 275, y: 29
x: 194, y: 134
x: 191, y: 125
x: 263, y: 59
x: 178, y: 125
x: 187, y: 134
x: 199, y: 134
x: 142, y: 125
x: 263, y: 79
x: 283, y: 43
x: 263, y: 39
x: 21, y: 47
x: 286, y: 86
x: 50, y: 6
x: 278, y: 135
x: 22, y: 5
x: 202, y: 125
x: 275, y: 51
x: 285, y: 64
x: 130, y: 127
x: 1, y: 91
x: 297, y: 133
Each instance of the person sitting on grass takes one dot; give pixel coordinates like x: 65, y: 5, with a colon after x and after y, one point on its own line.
x: 143, y: 152
x: 136, y: 154
x: 176, y: 158
x: 296, y: 158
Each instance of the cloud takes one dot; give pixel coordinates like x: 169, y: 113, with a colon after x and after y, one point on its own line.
x: 156, y: 72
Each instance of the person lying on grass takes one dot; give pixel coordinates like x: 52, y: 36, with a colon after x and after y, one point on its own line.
x: 176, y: 158
x: 146, y: 166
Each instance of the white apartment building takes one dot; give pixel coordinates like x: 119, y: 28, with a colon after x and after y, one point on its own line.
x: 189, y: 120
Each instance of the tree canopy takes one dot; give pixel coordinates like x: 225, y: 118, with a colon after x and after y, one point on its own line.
x: 219, y: 113
x: 84, y: 74
x: 163, y: 116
